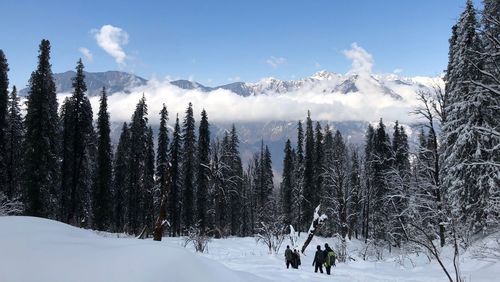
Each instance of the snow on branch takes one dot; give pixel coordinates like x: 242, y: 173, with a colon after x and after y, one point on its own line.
x: 317, y: 222
x: 9, y: 207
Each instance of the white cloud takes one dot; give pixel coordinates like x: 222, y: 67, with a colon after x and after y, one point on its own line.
x: 225, y: 106
x: 275, y: 62
x: 112, y: 39
x: 362, y: 61
x: 86, y: 53
x: 317, y: 65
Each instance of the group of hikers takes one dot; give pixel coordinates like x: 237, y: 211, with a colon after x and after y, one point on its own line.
x: 292, y: 257
x: 324, y: 257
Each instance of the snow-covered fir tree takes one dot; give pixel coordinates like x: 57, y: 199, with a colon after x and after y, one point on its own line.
x: 470, y: 137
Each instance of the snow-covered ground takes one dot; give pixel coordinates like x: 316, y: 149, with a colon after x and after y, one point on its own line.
x: 33, y: 249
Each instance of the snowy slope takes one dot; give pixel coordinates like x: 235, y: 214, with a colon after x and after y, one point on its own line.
x: 34, y: 249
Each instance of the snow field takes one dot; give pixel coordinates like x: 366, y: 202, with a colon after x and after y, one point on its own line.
x: 35, y: 249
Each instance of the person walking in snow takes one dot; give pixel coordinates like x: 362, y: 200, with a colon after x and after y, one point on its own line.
x: 288, y: 257
x: 329, y: 256
x: 318, y: 260
x: 295, y: 259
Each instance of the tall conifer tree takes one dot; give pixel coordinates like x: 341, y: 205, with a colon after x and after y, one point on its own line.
x: 41, y: 171
x: 4, y: 101
x: 15, y: 136
x: 188, y: 167
x: 203, y: 171
x: 102, y: 210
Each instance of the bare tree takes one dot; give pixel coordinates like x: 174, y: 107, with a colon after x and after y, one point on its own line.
x: 272, y: 234
x: 432, y: 109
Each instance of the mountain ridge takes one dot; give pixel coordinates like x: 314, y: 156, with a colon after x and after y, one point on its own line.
x: 320, y: 82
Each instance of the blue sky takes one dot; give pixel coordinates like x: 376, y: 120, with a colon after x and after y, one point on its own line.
x: 216, y: 42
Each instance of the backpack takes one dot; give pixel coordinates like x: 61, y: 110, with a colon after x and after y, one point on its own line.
x: 330, y: 259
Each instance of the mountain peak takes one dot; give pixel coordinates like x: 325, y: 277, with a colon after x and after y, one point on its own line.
x: 324, y: 75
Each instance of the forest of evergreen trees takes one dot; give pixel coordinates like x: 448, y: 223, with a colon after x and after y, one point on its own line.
x: 60, y: 164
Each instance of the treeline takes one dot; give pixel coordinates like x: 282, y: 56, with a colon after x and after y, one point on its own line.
x: 447, y: 189
x: 59, y: 166
x: 358, y: 191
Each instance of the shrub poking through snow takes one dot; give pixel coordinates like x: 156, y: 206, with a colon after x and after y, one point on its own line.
x: 198, y: 239
x: 272, y: 235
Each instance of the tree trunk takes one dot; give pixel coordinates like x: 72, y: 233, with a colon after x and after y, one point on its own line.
x: 315, y: 225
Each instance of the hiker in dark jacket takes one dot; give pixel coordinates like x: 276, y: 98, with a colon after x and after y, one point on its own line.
x: 296, y: 259
x: 288, y: 257
x: 318, y: 260
x: 329, y: 256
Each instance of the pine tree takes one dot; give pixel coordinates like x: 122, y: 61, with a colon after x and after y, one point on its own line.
x: 308, y: 203
x: 148, y: 195
x: 188, y: 167
x: 236, y: 186
x: 15, y: 136
x: 469, y: 161
x: 327, y: 202
x: 137, y: 187
x: 41, y: 172
x: 76, y: 168
x: 298, y: 185
x: 287, y: 184
x: 162, y: 158
x: 318, y: 163
x: 203, y: 171
x: 381, y: 165
x: 4, y: 102
x: 121, y: 179
x: 218, y: 185
x: 336, y: 179
x: 264, y: 186
x: 102, y: 210
x: 246, y: 202
x: 398, y: 179
x: 369, y: 173
x: 489, y: 86
x: 175, y: 193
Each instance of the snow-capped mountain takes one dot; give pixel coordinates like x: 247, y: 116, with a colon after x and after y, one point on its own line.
x: 114, y: 81
x: 320, y: 82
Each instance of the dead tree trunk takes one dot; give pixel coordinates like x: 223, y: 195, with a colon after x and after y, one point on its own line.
x: 162, y: 216
x: 315, y: 225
